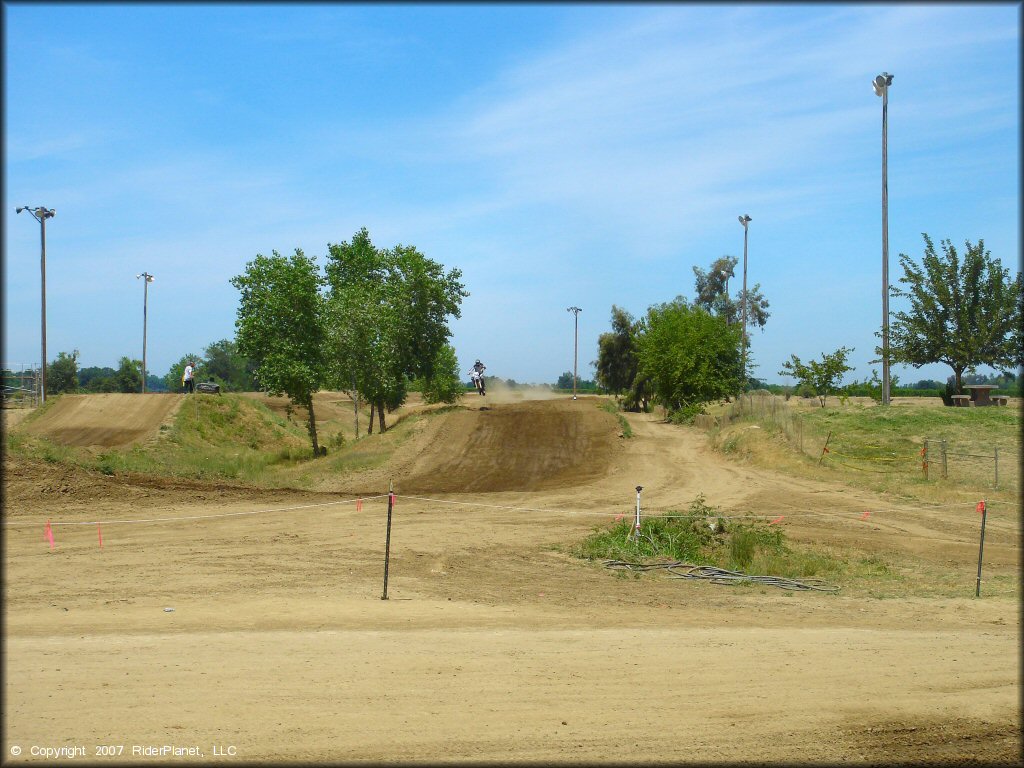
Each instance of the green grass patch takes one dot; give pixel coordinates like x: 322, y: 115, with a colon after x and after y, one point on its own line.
x: 230, y: 437
x: 610, y: 406
x: 881, y: 448
x: 701, y: 535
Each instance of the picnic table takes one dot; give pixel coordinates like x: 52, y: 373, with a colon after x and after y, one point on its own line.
x: 980, y: 393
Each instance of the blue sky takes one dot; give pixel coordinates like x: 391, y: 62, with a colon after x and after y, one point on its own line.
x: 558, y: 155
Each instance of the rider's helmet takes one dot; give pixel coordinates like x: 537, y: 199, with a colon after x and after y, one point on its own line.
x: 477, y: 362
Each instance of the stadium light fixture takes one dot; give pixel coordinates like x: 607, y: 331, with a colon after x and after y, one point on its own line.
x: 575, y: 347
x: 744, y: 220
x: 881, y: 87
x: 145, y: 303
x: 41, y: 214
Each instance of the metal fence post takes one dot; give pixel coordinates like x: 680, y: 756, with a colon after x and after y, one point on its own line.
x: 387, y: 540
x: 945, y: 473
x: 981, y: 544
x: 996, y: 458
x: 924, y: 464
x: 636, y: 520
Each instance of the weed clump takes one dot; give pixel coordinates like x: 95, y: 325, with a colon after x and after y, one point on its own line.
x: 701, y: 535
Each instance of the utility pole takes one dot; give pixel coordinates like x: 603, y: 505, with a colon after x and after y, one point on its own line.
x: 145, y: 303
x: 41, y: 214
x: 881, y: 85
x: 575, y: 347
x: 744, y: 220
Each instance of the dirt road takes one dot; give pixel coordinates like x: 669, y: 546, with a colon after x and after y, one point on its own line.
x: 494, y: 644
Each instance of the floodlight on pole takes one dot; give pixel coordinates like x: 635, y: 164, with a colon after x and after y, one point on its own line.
x: 881, y: 87
x: 41, y: 214
x: 145, y: 303
x: 575, y: 347
x: 744, y: 220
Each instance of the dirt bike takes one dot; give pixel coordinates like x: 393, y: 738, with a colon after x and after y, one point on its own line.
x: 478, y: 382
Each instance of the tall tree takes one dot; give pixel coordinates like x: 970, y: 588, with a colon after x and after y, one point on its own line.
x: 389, y: 313
x: 824, y: 376
x: 229, y: 367
x: 95, y: 379
x: 713, y: 294
x: 690, y: 356
x: 128, y: 377
x: 444, y: 385
x: 617, y: 361
x: 62, y: 374
x: 281, y: 327
x: 712, y: 288
x: 428, y: 296
x: 962, y: 313
x: 617, y: 352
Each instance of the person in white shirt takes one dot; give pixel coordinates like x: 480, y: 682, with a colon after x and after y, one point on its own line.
x: 187, y: 379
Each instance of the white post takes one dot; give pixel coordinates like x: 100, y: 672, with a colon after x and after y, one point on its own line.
x: 636, y: 522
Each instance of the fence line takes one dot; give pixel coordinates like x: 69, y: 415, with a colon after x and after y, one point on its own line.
x: 20, y: 385
x: 778, y: 514
x: 768, y: 407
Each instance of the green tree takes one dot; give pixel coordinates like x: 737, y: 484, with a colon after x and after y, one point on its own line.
x: 618, y: 359
x: 823, y: 377
x: 427, y: 296
x: 96, y: 379
x: 712, y: 288
x: 713, y: 294
x: 689, y: 356
x: 228, y: 367
x: 963, y: 313
x: 445, y: 384
x: 388, y: 315
x: 362, y: 327
x: 62, y: 374
x: 281, y: 327
x: 128, y: 377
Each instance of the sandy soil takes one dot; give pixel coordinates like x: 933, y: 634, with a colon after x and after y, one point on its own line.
x: 493, y: 645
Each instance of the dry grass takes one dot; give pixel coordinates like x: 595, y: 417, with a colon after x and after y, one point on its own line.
x: 880, y: 449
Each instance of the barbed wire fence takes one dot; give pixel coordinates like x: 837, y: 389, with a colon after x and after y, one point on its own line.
x: 21, y: 385
x: 991, y: 465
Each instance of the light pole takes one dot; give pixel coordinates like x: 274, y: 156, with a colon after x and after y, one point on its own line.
x: 41, y: 214
x: 881, y: 85
x: 145, y: 303
x: 744, y: 220
x: 575, y: 347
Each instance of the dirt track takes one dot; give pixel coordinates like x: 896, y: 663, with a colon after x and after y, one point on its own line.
x: 493, y: 645
x: 105, y: 420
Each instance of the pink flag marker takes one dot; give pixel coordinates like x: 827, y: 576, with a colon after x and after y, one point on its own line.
x: 866, y: 515
x: 981, y: 507
x: 49, y: 534
x: 777, y: 520
x: 359, y: 505
x: 99, y: 532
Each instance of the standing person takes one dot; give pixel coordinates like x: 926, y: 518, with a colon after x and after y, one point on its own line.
x: 188, y: 378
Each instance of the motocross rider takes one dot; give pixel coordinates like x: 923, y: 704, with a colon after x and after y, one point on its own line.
x: 476, y: 373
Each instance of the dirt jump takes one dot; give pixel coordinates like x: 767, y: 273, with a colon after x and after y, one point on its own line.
x: 105, y: 420
x: 171, y: 621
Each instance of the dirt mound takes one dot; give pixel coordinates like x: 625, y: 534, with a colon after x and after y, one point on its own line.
x: 104, y: 420
x: 521, y: 446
